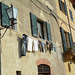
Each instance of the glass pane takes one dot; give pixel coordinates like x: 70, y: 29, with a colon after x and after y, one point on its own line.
x: 39, y: 30
x: 9, y: 12
x: 15, y: 11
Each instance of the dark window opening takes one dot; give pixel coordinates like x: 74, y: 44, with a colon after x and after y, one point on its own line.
x: 40, y: 26
x: 63, y: 8
x: 42, y: 29
x: 74, y: 6
x: 67, y: 39
x: 18, y: 72
x: 43, y: 70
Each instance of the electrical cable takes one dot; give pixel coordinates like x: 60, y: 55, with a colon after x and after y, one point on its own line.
x: 52, y: 13
x: 39, y: 7
x: 2, y: 28
x: 3, y: 34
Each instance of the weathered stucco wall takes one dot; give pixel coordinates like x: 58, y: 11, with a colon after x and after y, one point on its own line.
x: 69, y: 67
x: 11, y: 58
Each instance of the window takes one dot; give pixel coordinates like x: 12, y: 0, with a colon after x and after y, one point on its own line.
x: 18, y: 72
x: 71, y: 16
x: 66, y: 39
x: 63, y: 7
x: 43, y: 70
x: 39, y: 28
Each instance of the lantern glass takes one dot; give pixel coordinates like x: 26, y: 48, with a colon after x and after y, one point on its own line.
x: 15, y: 11
x: 9, y: 12
x: 12, y: 12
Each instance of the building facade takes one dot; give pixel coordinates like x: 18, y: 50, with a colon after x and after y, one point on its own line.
x: 37, y: 43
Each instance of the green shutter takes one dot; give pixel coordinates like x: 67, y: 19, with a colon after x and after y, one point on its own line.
x: 48, y: 32
x: 63, y: 39
x: 34, y: 25
x: 60, y: 4
x: 71, y: 16
x: 70, y: 40
x: 4, y: 17
x: 65, y: 8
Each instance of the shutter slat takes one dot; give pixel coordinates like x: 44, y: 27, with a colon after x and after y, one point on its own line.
x: 34, y: 25
x: 71, y: 15
x: 5, y: 21
x: 70, y: 40
x: 48, y: 32
x: 60, y: 4
x: 65, y: 8
x: 63, y: 39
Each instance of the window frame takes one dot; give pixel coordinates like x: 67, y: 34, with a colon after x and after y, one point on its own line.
x: 63, y: 7
x: 67, y: 39
x: 44, y: 29
x: 43, y: 69
x: 18, y: 72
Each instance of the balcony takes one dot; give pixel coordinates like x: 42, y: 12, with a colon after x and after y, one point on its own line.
x: 72, y: 1
x: 69, y: 56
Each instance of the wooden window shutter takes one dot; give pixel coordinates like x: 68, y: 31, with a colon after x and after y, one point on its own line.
x: 71, y: 15
x: 60, y: 4
x: 65, y: 8
x: 48, y: 32
x: 63, y: 39
x: 34, y: 28
x: 70, y: 40
x: 5, y: 21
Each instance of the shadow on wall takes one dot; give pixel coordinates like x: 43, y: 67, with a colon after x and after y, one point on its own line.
x: 62, y: 57
x: 19, y: 46
x: 69, y: 67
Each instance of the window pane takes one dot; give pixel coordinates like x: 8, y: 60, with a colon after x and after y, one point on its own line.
x: 40, y: 29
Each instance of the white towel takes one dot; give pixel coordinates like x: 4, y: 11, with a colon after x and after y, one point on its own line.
x: 35, y: 47
x: 30, y: 43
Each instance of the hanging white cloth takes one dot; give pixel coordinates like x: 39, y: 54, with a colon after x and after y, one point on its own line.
x: 30, y: 44
x: 35, y: 47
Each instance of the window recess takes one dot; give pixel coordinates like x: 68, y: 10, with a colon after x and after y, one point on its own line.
x: 18, y: 72
x: 66, y: 39
x: 43, y: 70
x: 39, y: 28
x: 40, y: 25
x: 63, y: 7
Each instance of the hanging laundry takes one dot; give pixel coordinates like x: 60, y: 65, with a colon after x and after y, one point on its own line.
x: 30, y: 44
x: 48, y: 46
x: 43, y: 45
x: 24, y: 45
x: 45, y: 48
x: 54, y: 48
x: 35, y: 47
x: 40, y: 46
